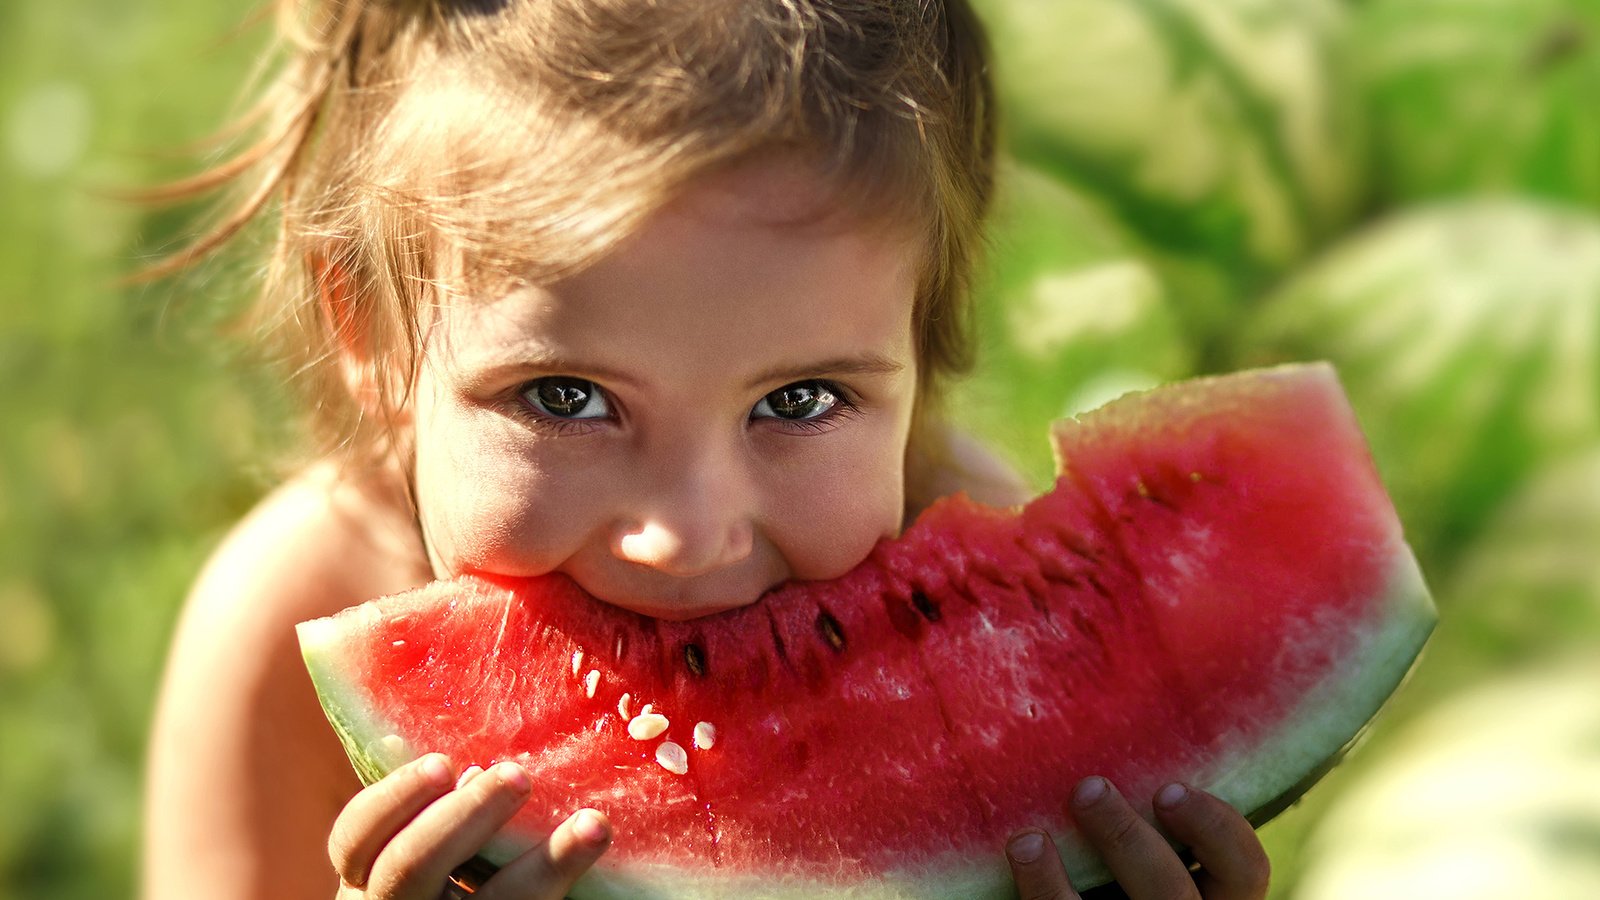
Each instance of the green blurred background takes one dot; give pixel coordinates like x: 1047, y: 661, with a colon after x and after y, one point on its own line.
x: 1410, y: 188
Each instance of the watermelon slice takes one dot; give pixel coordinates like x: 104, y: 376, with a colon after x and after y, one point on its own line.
x: 1216, y: 590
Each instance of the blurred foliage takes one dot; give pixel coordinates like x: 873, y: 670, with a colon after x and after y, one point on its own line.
x: 132, y: 433
x: 1195, y: 185
x: 1468, y: 333
x: 1464, y: 803
x: 1492, y: 93
x: 1222, y: 132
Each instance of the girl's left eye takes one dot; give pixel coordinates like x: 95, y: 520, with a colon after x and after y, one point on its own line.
x: 562, y: 397
x: 798, y: 401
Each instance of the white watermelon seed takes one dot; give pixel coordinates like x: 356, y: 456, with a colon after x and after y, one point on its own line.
x: 645, y: 726
x: 646, y: 710
x: 672, y: 758
x: 397, y: 643
x: 393, y: 744
x: 705, y: 735
x: 577, y: 661
x: 622, y: 705
x: 590, y: 682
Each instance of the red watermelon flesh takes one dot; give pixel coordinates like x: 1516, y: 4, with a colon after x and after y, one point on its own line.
x: 1216, y: 590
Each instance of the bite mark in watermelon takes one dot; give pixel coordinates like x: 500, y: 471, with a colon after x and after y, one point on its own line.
x: 1216, y: 590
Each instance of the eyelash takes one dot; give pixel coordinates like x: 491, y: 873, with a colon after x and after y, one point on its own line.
x: 554, y: 425
x: 842, y: 411
x: 845, y: 409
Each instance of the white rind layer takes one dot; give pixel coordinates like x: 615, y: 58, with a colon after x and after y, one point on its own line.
x: 1329, y: 717
x: 351, y: 714
x: 961, y: 881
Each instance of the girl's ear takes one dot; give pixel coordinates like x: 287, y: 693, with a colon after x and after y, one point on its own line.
x: 349, y: 326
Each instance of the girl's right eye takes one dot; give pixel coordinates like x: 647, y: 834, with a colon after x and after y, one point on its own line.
x: 563, y: 397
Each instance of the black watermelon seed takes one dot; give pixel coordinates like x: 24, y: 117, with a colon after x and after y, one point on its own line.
x: 928, y: 608
x: 695, y: 659
x: 829, y: 628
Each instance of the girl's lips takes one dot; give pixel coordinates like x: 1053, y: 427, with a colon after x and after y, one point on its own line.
x: 681, y: 602
x: 676, y: 609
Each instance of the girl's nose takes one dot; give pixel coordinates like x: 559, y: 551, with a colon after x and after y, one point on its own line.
x: 685, y: 548
x: 689, y: 516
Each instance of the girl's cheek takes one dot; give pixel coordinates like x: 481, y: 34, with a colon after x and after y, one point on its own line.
x: 490, y: 505
x: 833, y: 517
x: 487, y: 528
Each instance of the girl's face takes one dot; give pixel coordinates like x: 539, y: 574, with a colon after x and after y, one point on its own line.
x: 720, y: 405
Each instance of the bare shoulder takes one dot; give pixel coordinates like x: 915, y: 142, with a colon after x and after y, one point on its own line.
x: 319, y: 543
x: 245, y: 776
x: 957, y: 462
x: 321, y: 539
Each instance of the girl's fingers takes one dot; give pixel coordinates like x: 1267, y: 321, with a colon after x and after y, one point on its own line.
x: 1036, y: 867
x: 380, y: 811
x: 548, y: 870
x: 418, y: 860
x: 1234, y: 866
x: 1138, y: 856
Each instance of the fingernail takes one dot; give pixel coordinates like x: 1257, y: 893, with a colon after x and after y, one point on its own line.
x: 1026, y: 847
x: 467, y: 774
x: 1090, y: 791
x: 590, y: 829
x: 1171, y: 795
x: 436, y: 768
x: 513, y: 776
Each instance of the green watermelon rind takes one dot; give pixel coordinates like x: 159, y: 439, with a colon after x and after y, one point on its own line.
x: 1331, y: 717
x: 1280, y: 768
x: 348, y: 712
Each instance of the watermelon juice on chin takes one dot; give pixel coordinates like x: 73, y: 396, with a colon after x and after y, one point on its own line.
x: 1216, y: 591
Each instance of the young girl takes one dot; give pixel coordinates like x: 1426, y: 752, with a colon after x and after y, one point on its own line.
x: 657, y: 295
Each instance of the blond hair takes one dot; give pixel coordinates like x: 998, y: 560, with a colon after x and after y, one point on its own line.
x: 407, y: 146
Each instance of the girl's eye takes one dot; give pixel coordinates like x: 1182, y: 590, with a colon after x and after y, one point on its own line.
x: 567, y: 398
x: 801, y: 400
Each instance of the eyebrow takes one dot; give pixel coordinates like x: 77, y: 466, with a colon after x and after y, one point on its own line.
x: 540, y: 359
x: 865, y: 364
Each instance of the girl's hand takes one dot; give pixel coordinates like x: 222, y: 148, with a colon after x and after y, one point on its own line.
x: 1232, y: 863
x: 399, y: 839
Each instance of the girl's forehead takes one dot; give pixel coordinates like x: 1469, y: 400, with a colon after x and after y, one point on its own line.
x: 767, y: 241
x: 772, y: 191
x: 776, y: 190
x: 739, y: 222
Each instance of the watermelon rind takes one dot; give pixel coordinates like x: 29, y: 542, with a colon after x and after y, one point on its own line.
x: 364, y: 734
x: 1336, y: 712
